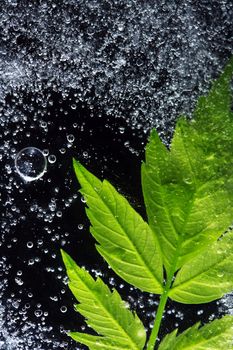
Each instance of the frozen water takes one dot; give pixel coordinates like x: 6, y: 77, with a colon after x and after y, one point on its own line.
x: 30, y: 164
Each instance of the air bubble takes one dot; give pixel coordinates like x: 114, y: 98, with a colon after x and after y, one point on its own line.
x: 52, y: 158
x: 38, y: 313
x: 30, y: 164
x: 85, y: 154
x: 29, y: 244
x: 19, y: 281
x: 63, y: 309
x: 62, y: 150
x: 46, y: 152
x: 70, y: 138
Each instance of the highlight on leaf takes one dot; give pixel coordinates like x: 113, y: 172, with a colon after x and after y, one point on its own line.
x: 184, y: 252
x: 188, y: 189
x: 105, y: 312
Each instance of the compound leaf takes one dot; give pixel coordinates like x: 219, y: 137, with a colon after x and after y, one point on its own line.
x: 213, y: 336
x: 105, y: 312
x: 125, y: 241
x: 188, y: 189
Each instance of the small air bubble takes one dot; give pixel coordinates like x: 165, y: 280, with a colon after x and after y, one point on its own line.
x: 45, y: 152
x: 62, y: 150
x: 121, y: 26
x: 220, y: 274
x: 83, y: 200
x: 63, y: 309
x: 52, y: 159
x: 19, y: 281
x: 70, y: 138
x: 29, y: 244
x: 38, y: 313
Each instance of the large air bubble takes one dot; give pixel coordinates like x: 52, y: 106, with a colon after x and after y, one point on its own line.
x: 30, y: 164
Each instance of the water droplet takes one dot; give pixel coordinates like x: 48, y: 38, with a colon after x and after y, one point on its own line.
x: 30, y: 164
x: 220, y: 274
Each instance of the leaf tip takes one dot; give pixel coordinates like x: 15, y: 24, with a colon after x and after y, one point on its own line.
x: 153, y: 133
x: 79, y: 170
x: 67, y: 260
x: 76, y: 164
x: 63, y: 254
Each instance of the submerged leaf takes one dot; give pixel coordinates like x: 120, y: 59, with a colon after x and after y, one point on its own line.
x: 125, y: 241
x: 105, y: 312
x: 188, y: 189
x: 213, y: 336
x: 96, y: 342
x: 208, y: 276
x: 188, y: 193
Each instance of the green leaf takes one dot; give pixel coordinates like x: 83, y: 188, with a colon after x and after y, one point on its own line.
x: 213, y: 336
x: 168, y: 341
x: 96, y: 342
x: 188, y: 189
x: 105, y: 312
x: 125, y: 241
x: 206, y: 277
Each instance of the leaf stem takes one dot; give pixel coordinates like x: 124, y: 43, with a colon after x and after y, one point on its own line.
x: 159, y: 315
x: 158, y: 319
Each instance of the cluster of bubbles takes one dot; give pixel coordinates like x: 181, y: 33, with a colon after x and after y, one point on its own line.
x: 139, y: 60
x: 27, y: 335
x: 144, y: 59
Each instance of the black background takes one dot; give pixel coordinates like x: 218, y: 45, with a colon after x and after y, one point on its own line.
x: 115, y: 148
